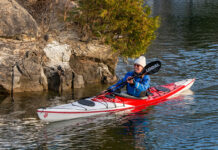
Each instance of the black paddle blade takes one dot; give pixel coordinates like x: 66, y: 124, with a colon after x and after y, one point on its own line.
x: 151, y: 68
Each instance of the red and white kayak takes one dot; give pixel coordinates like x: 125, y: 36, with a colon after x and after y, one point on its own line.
x: 108, y: 102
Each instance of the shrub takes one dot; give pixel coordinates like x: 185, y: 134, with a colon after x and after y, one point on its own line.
x: 126, y: 25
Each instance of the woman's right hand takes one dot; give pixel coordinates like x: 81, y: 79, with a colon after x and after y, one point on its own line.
x: 130, y: 80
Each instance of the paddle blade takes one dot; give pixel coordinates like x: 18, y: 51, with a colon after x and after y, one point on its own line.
x: 151, y: 68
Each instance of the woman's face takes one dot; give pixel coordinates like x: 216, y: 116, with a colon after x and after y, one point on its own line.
x: 138, y: 68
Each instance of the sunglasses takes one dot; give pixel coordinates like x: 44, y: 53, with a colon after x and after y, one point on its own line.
x: 136, y: 65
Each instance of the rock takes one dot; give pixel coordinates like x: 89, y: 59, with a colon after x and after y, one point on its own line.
x: 58, y: 80
x: 57, y: 68
x: 16, y: 22
x: 58, y: 54
x: 78, y: 81
x: 105, y: 74
x: 94, y: 61
x: 31, y: 76
x: 26, y: 64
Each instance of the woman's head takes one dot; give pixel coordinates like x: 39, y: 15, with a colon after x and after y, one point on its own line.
x: 139, y: 64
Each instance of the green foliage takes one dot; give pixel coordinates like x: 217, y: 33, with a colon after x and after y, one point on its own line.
x: 126, y: 25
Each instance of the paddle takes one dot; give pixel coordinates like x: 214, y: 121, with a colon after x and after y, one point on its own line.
x: 149, y: 69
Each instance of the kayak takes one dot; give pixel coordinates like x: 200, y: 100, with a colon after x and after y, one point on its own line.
x: 112, y: 102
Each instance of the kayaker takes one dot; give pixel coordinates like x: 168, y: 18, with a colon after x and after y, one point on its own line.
x: 136, y: 86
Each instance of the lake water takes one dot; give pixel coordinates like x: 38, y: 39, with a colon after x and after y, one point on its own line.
x: 187, y: 46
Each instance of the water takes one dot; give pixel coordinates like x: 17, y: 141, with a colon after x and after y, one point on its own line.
x: 186, y: 45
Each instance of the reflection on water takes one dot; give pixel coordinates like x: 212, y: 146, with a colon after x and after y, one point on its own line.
x: 187, y: 47
x: 82, y: 133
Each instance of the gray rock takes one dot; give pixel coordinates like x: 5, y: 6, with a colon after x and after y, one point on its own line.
x: 78, y: 81
x: 94, y: 61
x: 28, y: 72
x: 16, y: 22
x: 58, y: 78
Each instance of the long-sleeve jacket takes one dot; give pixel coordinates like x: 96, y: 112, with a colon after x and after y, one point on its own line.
x: 140, y: 84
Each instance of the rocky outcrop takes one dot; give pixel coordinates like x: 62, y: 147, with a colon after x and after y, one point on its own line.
x: 58, y: 60
x: 24, y: 59
x: 16, y: 22
x: 83, y: 63
x: 94, y: 62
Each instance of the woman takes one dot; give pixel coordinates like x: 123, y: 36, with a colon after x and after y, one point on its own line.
x: 136, y: 86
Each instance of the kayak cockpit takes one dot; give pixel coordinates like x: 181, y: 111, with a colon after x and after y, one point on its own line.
x: 125, y: 95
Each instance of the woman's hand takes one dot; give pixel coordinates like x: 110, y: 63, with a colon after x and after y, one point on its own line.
x: 130, y: 80
x: 102, y: 92
x: 105, y: 91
